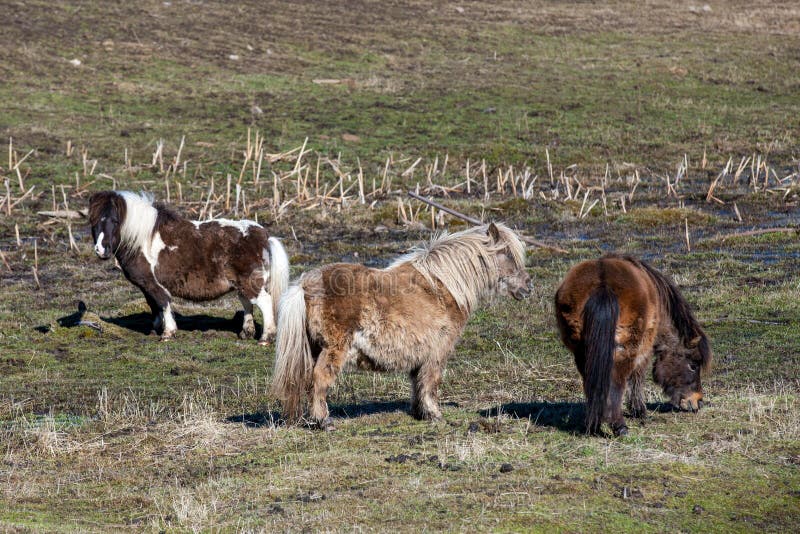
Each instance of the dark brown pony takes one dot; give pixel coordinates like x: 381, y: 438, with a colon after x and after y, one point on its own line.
x: 406, y: 317
x: 615, y: 314
x: 165, y: 255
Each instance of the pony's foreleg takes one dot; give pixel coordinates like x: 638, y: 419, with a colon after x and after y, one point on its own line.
x: 159, y: 302
x: 636, y: 403
x: 425, y: 382
x: 155, y: 309
x: 139, y: 272
x: 327, y: 367
x: 248, y: 326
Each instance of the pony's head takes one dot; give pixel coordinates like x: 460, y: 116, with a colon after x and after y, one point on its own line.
x: 678, y: 372
x: 686, y: 353
x: 509, y: 252
x: 106, y: 213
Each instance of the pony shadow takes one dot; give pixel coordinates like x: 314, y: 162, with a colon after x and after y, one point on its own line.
x: 353, y: 410
x: 662, y: 407
x: 565, y: 416
x: 342, y: 411
x: 143, y: 323
x: 268, y: 419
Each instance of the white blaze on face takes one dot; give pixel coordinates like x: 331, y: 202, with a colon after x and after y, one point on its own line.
x: 99, y: 249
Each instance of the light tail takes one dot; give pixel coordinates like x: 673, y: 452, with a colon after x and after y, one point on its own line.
x: 294, y: 363
x: 278, y: 272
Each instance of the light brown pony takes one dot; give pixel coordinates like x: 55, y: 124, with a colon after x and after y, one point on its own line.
x: 406, y: 317
x: 616, y: 313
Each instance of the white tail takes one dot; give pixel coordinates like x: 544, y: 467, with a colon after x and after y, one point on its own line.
x: 278, y: 272
x: 293, y: 361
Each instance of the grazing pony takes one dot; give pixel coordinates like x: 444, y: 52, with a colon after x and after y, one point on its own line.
x: 406, y: 317
x: 614, y: 314
x: 165, y: 255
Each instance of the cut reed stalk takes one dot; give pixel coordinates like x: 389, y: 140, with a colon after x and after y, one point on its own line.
x: 360, y: 183
x: 8, y: 197
x: 3, y: 258
x: 686, y: 228
x: 36, y: 264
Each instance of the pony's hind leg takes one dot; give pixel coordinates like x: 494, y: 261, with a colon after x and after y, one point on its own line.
x: 264, y: 303
x: 326, y: 368
x: 425, y: 382
x: 614, y: 408
x: 248, y: 325
x: 170, y: 327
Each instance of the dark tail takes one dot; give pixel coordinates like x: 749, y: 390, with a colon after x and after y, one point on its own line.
x: 600, y: 315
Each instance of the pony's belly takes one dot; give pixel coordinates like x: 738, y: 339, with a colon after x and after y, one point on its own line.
x: 192, y: 284
x: 388, y: 353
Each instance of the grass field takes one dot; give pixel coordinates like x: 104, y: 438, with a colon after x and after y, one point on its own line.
x: 664, y: 129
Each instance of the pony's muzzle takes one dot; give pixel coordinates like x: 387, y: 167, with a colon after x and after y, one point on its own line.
x: 692, y: 403
x: 521, y: 293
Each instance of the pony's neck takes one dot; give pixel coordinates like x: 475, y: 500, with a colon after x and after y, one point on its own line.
x: 462, y: 267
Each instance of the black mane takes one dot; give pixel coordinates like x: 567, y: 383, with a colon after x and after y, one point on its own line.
x: 688, y: 327
x: 165, y: 215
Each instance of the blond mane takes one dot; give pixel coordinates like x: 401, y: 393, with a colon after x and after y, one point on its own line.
x: 464, y: 262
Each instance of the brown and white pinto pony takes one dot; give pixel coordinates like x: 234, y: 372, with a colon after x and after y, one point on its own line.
x: 406, y: 317
x: 616, y: 313
x: 166, y: 256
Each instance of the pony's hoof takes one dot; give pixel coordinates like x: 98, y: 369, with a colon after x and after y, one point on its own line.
x: 621, y: 431
x: 166, y: 336
x: 246, y: 335
x: 264, y: 342
x: 268, y: 337
x: 327, y: 424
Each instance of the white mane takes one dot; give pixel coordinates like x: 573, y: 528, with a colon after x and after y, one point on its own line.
x: 464, y: 262
x: 243, y: 225
x: 136, y: 231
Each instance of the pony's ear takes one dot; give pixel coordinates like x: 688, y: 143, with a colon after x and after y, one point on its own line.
x: 700, y: 343
x: 705, y: 353
x: 493, y: 232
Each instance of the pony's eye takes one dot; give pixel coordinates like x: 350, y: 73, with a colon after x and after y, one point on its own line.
x: 693, y: 367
